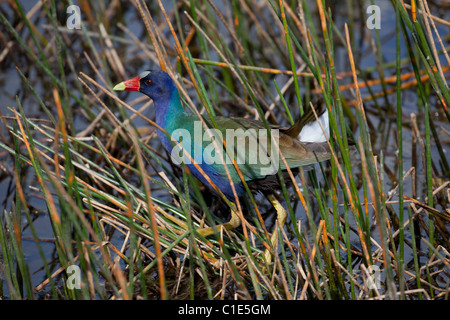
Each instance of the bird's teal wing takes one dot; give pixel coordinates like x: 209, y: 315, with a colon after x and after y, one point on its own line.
x: 249, y: 145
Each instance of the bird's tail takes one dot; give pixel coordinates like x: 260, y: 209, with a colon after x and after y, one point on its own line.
x: 307, y: 129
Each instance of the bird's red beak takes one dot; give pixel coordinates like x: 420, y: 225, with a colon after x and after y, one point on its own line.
x: 128, y: 85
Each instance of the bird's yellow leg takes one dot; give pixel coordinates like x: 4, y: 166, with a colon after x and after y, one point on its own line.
x: 234, y: 222
x: 281, y: 220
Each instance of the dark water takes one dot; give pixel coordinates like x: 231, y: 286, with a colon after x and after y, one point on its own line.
x: 382, y: 134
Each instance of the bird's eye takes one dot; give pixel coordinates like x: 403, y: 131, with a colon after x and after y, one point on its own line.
x: 148, y: 82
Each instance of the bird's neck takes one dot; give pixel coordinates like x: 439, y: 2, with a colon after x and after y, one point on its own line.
x: 168, y: 112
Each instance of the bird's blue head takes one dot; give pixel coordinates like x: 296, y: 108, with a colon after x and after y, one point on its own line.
x: 156, y: 84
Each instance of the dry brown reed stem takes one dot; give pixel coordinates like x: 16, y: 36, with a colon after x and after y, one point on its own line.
x: 391, y: 79
x: 432, y: 43
x: 429, y: 15
x: 361, y: 109
x: 437, y: 19
x: 230, y: 30
x: 52, y: 207
x: 151, y: 210
x: 161, y: 57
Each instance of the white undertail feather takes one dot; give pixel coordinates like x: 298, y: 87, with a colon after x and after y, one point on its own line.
x: 312, y: 132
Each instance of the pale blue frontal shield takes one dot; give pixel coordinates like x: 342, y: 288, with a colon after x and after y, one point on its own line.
x: 144, y: 74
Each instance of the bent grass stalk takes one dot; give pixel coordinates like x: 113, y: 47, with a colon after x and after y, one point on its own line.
x: 89, y: 189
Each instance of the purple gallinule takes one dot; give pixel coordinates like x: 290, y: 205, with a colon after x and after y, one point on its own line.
x: 302, y: 144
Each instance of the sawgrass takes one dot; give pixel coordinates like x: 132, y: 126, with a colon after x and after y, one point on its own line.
x: 123, y: 214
